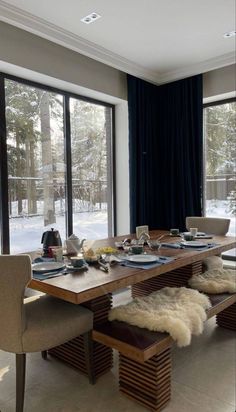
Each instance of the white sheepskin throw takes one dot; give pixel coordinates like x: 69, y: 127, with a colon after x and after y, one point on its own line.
x: 215, y: 281
x: 178, y: 311
x: 212, y: 262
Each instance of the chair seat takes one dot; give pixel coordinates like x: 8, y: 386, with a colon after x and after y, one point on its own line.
x: 51, y: 322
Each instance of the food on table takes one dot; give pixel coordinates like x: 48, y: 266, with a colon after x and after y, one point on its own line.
x: 91, y: 256
x: 108, y: 250
x: 90, y: 253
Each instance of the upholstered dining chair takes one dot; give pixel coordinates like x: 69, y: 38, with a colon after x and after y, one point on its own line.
x: 213, y: 226
x: 35, y: 324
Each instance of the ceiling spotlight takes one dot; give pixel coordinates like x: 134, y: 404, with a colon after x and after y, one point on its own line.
x: 90, y: 18
x: 230, y: 34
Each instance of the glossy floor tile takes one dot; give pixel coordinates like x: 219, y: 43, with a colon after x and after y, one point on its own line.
x: 203, y: 379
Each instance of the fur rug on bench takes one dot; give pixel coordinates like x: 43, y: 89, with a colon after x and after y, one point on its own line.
x: 178, y: 311
x: 215, y: 281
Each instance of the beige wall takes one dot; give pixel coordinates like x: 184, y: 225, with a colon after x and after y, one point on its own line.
x: 220, y: 81
x: 32, y: 52
x: 27, y: 50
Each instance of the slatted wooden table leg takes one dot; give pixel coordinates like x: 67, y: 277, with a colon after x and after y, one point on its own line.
x: 175, y: 278
x: 73, y: 352
x: 147, y: 383
x: 227, y: 318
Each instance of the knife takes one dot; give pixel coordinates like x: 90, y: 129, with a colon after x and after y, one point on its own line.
x: 103, y: 266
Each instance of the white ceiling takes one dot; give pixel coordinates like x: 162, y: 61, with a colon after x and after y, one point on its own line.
x: 159, y: 40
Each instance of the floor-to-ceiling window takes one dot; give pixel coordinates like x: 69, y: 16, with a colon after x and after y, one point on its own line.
x: 220, y: 161
x: 59, y: 165
x: 91, y: 167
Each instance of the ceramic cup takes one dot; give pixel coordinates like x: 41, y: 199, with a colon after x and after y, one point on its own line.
x: 136, y: 249
x: 193, y: 231
x: 57, y: 253
x: 174, y: 232
x: 77, y: 262
x: 188, y: 236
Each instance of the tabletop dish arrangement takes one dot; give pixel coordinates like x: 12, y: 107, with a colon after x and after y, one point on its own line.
x: 76, y: 268
x: 192, y: 243
x: 199, y: 235
x: 90, y: 256
x: 142, y: 258
x: 47, y: 266
x: 154, y: 244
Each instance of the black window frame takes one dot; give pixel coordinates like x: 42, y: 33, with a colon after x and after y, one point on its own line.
x: 4, y: 212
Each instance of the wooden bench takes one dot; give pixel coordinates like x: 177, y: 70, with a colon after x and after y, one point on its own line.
x: 145, y: 356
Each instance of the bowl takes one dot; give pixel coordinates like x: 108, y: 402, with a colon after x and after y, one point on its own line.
x: 92, y: 259
x: 154, y: 244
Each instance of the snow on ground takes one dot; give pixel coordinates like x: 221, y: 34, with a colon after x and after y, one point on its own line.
x: 26, y: 232
x: 220, y: 208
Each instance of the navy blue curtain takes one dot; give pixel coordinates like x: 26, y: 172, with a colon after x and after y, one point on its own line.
x: 165, y: 148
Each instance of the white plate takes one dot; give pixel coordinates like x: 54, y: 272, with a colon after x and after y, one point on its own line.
x: 142, y: 258
x: 193, y: 243
x: 198, y: 233
x: 47, y: 266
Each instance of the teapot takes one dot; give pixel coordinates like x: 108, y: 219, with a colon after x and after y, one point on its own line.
x: 50, y: 238
x: 74, y: 245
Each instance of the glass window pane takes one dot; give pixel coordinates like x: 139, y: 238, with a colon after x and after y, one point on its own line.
x: 91, y: 168
x: 36, y: 166
x: 220, y: 134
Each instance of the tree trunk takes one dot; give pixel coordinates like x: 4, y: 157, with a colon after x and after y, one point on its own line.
x: 30, y: 173
x: 33, y: 182
x: 47, y: 169
x: 18, y: 174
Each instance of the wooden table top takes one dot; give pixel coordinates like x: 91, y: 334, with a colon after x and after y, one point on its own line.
x: 79, y: 287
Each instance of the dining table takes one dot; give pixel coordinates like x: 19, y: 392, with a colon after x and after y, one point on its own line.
x: 93, y: 288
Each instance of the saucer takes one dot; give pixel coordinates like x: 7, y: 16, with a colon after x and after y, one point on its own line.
x: 76, y: 269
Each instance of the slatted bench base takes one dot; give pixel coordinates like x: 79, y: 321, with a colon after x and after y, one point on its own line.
x: 227, y: 318
x: 72, y: 352
x: 147, y: 383
x: 145, y: 356
x: 175, y: 278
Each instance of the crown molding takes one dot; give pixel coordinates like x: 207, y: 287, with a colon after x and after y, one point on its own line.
x: 202, y: 67
x: 33, y: 24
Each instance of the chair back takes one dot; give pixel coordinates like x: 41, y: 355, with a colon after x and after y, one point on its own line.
x: 211, y: 225
x: 15, y: 274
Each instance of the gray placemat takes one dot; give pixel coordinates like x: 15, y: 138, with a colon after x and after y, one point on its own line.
x: 161, y: 261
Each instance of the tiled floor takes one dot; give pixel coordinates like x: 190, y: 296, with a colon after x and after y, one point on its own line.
x: 204, y: 377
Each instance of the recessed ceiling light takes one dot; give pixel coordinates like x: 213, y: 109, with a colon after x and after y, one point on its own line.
x: 90, y: 18
x: 230, y: 34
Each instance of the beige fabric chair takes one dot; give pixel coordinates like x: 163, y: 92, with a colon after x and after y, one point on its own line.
x: 210, y: 225
x: 213, y: 226
x: 35, y: 324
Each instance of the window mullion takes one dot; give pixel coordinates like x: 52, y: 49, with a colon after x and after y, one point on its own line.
x: 4, y: 213
x: 67, y: 132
